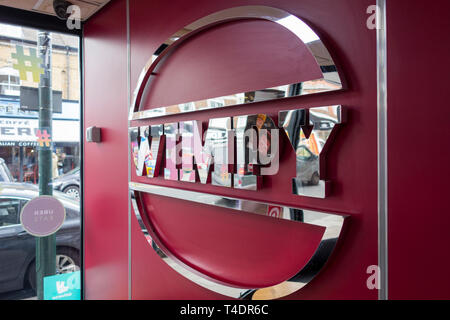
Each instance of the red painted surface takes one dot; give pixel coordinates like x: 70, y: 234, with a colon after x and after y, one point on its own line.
x: 418, y: 104
x: 264, y: 55
x: 195, y: 232
x: 106, y: 163
x: 223, y: 244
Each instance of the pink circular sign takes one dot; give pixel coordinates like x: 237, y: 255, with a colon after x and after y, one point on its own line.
x: 42, y: 216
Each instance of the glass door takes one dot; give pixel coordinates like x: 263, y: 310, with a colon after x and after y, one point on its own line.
x: 40, y: 94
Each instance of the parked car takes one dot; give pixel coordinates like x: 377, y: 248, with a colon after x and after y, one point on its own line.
x: 5, y: 174
x: 308, y: 166
x: 18, y: 248
x: 69, y: 183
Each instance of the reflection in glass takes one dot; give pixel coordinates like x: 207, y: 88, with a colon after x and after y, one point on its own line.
x: 134, y: 143
x: 146, y: 147
x: 153, y: 160
x: 198, y: 157
x: 246, y: 153
x: 202, y: 153
x: 20, y: 75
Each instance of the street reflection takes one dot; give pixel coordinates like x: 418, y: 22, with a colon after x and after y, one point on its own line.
x: 309, y: 139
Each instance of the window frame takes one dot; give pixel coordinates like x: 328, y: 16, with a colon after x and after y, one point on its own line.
x: 50, y: 23
x: 21, y: 205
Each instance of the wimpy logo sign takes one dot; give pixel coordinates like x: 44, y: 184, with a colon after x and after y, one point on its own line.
x: 236, y: 152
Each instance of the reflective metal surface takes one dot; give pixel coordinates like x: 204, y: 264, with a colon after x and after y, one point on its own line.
x: 310, y: 145
x: 382, y: 123
x: 146, y: 146
x: 219, y: 138
x: 257, y: 144
x: 254, y: 139
x: 187, y: 171
x: 331, y: 222
x: 330, y: 80
x: 172, y: 133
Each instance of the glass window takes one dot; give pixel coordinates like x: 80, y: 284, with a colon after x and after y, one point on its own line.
x: 9, y: 212
x: 21, y: 144
x: 9, y: 81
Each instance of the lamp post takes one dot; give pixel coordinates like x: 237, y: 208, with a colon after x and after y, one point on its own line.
x: 45, y: 246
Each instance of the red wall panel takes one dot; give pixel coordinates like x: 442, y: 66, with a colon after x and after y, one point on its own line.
x: 418, y: 135
x: 417, y: 115
x: 200, y: 69
x: 106, y: 163
x: 351, y: 162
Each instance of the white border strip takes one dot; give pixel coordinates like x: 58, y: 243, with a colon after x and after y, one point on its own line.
x: 382, y: 151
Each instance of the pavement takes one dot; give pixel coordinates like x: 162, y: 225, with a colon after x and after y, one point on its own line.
x: 24, y: 294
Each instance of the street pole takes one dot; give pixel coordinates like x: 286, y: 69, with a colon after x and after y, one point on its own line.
x: 45, y: 246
